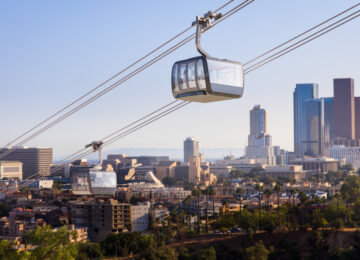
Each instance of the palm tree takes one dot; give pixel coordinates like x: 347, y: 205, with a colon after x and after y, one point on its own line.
x: 240, y: 192
x: 337, y: 197
x: 212, y: 194
x: 268, y: 193
x: 303, y: 198
x: 277, y: 190
x: 292, y: 193
x: 259, y: 188
x: 187, y: 201
x: 196, y: 194
x: 206, y: 193
x: 225, y: 206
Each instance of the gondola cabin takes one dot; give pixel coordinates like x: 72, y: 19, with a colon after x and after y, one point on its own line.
x: 94, y: 182
x: 206, y: 79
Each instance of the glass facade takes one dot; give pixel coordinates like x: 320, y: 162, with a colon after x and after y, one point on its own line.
x: 205, y: 79
x: 313, y: 127
x: 258, y: 123
x: 103, y: 183
x: 302, y: 93
x: 94, y: 182
x: 328, y: 124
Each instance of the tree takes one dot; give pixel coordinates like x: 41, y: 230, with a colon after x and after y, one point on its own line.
x: 350, y: 192
x: 51, y: 245
x: 206, y: 193
x: 196, y: 194
x: 277, y: 190
x: 292, y: 193
x: 7, y: 251
x: 186, y: 202
x: 257, y: 252
x: 268, y: 193
x: 160, y: 253
x: 267, y: 179
x: 89, y: 251
x: 169, y: 181
x: 259, y: 189
x: 207, y: 254
x: 4, y: 209
x: 235, y: 174
x: 212, y: 193
x: 125, y: 244
x: 347, y: 168
x: 239, y: 192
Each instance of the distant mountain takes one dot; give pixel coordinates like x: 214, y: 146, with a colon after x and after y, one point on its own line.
x: 211, y: 154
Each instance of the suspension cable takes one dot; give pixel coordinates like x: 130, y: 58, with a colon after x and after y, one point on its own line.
x: 304, y: 41
x: 267, y: 60
x: 101, y: 85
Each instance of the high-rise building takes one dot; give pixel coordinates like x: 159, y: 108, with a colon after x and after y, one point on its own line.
x: 344, y: 109
x: 302, y: 93
x: 313, y: 127
x: 328, y: 124
x: 357, y: 118
x: 34, y: 160
x: 191, y: 148
x: 258, y: 124
x: 259, y: 141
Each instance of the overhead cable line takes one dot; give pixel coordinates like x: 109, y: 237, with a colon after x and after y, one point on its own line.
x: 301, y: 34
x: 101, y: 85
x: 156, y: 115
x: 304, y: 41
x: 331, y: 28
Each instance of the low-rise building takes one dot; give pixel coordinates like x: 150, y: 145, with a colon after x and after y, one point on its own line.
x: 11, y: 229
x: 295, y: 172
x: 101, y: 217
x: 11, y: 170
x: 140, y: 217
x: 165, y: 169
x: 322, y: 164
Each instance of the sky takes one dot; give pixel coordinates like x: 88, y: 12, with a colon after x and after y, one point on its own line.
x: 52, y: 52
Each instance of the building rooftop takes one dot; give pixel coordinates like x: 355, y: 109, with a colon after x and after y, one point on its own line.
x: 166, y: 163
x: 319, y: 159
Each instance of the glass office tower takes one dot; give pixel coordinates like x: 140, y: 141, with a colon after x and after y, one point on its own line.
x: 328, y: 124
x: 302, y: 93
x: 313, y: 127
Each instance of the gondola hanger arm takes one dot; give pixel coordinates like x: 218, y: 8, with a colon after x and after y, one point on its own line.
x: 202, y: 25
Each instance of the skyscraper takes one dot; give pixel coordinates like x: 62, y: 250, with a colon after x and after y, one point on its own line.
x: 328, y: 124
x: 313, y: 127
x: 357, y: 117
x: 35, y: 160
x: 344, y: 109
x: 258, y: 124
x: 191, y: 148
x: 302, y: 93
x: 259, y: 141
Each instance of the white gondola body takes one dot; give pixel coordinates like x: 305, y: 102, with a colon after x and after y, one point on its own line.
x: 206, y: 79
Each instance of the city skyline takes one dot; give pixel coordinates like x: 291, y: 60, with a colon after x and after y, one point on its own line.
x: 208, y: 129
x: 53, y: 82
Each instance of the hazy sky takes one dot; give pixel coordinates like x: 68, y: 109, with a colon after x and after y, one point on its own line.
x: 53, y: 51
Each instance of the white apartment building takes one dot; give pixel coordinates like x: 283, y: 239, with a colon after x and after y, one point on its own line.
x: 11, y: 170
x: 140, y: 217
x: 350, y: 154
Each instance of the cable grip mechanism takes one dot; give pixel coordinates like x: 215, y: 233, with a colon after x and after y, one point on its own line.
x: 202, y: 25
